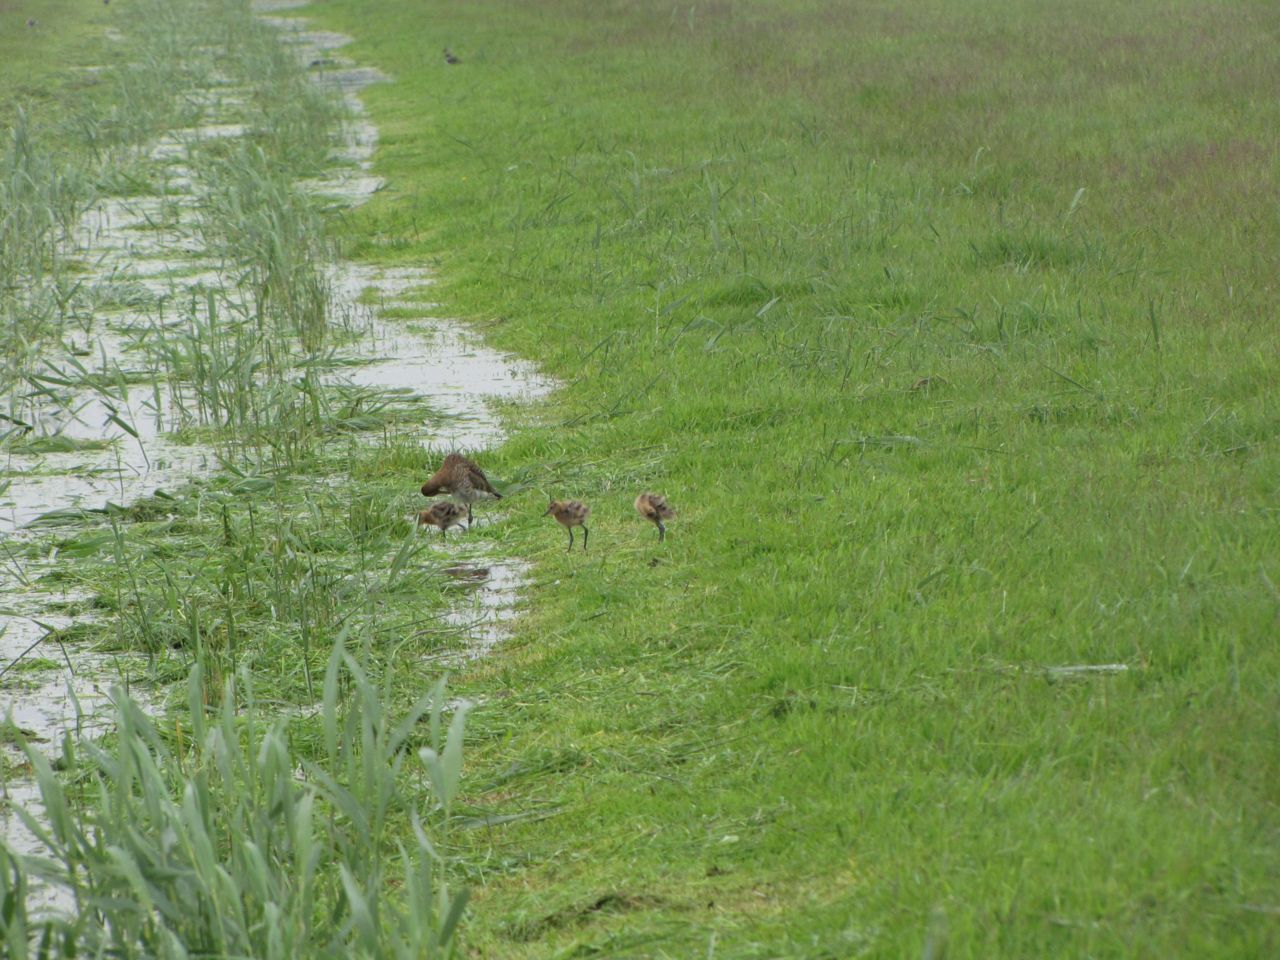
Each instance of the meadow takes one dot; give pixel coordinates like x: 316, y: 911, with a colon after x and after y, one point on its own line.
x: 948, y: 329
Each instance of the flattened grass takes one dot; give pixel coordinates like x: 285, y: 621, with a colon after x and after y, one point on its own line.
x: 948, y: 330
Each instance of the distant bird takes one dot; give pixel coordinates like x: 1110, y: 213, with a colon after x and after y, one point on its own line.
x: 654, y: 507
x: 570, y: 514
x: 32, y: 22
x: 461, y: 479
x: 449, y: 58
x: 443, y: 514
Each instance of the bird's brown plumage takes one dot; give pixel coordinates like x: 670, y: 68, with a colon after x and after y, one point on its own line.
x: 461, y: 478
x: 654, y: 507
x: 443, y: 514
x: 459, y: 475
x: 570, y: 514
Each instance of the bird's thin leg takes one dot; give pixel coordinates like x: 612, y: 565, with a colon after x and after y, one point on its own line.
x: 571, y: 538
x: 468, y: 515
x: 442, y: 536
x: 662, y: 532
x: 585, y: 534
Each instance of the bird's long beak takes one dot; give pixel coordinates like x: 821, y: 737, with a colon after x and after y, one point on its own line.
x: 548, y: 511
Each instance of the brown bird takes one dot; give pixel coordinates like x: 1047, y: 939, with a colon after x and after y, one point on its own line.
x: 449, y: 58
x: 570, y: 514
x: 653, y: 506
x: 462, y: 480
x: 443, y: 514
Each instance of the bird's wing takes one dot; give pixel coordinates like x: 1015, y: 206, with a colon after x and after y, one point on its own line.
x: 480, y: 481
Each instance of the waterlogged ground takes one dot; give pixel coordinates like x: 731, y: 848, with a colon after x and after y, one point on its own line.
x: 105, y: 418
x: 938, y: 325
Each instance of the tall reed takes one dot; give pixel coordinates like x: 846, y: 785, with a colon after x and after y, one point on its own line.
x: 210, y: 835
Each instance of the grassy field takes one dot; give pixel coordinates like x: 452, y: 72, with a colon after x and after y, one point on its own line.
x: 948, y: 329
x: 34, y: 57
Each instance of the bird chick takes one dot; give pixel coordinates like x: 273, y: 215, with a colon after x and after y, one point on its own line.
x: 653, y: 507
x: 461, y: 479
x: 443, y: 514
x: 570, y: 514
x: 449, y: 58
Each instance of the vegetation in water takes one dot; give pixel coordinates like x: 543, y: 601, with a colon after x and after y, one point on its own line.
x: 946, y: 329
x: 233, y: 825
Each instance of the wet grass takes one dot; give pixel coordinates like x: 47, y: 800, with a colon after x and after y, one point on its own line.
x: 215, y: 836
x: 946, y: 329
x: 286, y: 813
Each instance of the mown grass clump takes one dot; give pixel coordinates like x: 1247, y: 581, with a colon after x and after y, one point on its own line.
x: 945, y: 329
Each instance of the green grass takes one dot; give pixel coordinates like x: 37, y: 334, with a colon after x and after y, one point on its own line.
x: 34, y: 60
x: 244, y: 863
x: 286, y: 816
x: 948, y: 330
x: 744, y: 234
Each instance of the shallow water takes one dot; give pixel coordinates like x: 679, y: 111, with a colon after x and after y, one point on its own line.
x: 433, y: 357
x: 150, y: 247
x: 483, y: 611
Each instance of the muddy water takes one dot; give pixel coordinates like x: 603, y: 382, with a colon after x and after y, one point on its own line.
x: 434, y: 357
x: 145, y: 251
